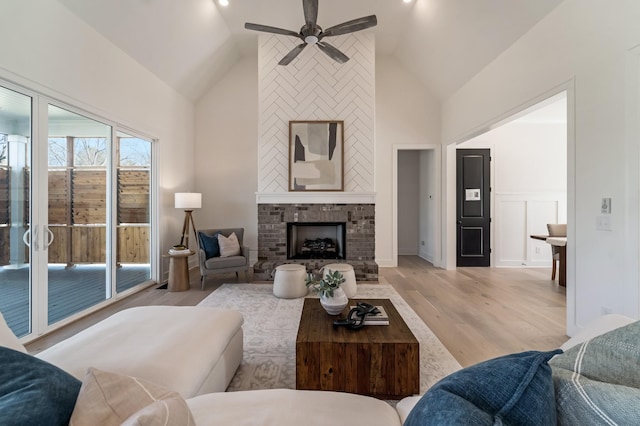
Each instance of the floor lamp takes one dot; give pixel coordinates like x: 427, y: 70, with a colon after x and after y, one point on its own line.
x: 188, y: 201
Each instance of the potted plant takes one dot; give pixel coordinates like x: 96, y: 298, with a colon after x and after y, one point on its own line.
x: 332, y: 298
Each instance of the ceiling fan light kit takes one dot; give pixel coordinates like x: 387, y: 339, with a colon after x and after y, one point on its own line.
x: 312, y: 34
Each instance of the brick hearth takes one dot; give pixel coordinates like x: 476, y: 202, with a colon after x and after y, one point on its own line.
x: 360, y: 236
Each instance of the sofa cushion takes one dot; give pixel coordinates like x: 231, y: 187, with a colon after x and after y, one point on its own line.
x: 110, y: 399
x: 175, y: 347
x: 598, y: 380
x: 209, y: 244
x: 288, y: 407
x: 34, y: 392
x: 229, y: 246
x: 513, y: 389
x: 8, y: 339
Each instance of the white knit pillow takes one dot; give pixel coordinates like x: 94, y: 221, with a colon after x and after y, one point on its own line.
x: 229, y: 246
x: 107, y: 399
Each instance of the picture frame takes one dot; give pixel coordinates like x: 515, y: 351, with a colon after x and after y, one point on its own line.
x: 316, y: 155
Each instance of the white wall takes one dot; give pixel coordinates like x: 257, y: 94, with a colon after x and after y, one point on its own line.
x: 408, y: 202
x: 315, y: 87
x: 583, y: 45
x: 405, y: 114
x: 226, y: 164
x: 47, y: 48
x: 429, y: 205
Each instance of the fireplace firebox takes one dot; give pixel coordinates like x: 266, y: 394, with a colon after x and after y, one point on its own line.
x: 316, y: 240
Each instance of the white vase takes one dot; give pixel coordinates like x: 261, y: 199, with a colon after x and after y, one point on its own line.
x: 336, y: 304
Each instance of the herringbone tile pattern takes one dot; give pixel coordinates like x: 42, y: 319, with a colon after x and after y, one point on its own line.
x: 314, y: 87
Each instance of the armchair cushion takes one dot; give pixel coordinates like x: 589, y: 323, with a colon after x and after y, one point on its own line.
x: 225, y: 262
x: 229, y: 246
x: 209, y: 244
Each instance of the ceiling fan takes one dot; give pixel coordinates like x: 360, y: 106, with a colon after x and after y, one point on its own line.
x: 312, y: 33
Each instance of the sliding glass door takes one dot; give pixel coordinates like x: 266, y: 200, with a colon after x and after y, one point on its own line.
x: 75, y: 212
x: 15, y: 205
x: 78, y: 183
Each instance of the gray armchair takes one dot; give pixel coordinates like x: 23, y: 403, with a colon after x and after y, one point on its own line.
x: 210, y: 265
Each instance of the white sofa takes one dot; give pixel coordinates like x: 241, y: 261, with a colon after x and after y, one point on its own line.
x: 191, y: 350
x: 195, y: 351
x: 171, y: 345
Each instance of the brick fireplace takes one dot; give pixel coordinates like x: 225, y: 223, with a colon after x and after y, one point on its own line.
x: 357, y: 247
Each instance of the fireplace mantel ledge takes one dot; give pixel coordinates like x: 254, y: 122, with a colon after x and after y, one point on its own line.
x: 315, y: 197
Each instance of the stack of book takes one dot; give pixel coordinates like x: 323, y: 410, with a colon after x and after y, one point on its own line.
x: 179, y: 251
x: 381, y: 318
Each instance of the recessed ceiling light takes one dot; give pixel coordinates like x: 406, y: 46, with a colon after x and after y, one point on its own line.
x: 223, y: 3
x: 407, y: 1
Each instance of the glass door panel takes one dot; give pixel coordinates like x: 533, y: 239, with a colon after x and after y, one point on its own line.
x: 133, y: 218
x: 15, y: 162
x: 78, y: 184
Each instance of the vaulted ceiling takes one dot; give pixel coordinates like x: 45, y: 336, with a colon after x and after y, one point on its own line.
x: 190, y: 44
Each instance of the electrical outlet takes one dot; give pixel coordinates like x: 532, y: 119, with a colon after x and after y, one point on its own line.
x: 606, y: 310
x: 537, y: 250
x: 421, y: 243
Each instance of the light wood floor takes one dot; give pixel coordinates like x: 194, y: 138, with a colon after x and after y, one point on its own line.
x: 477, y: 313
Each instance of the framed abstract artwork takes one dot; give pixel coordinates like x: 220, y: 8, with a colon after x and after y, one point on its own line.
x: 316, y: 155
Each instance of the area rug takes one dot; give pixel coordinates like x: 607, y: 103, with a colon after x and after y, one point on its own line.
x: 271, y: 325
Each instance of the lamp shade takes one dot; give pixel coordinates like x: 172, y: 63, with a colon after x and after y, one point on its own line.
x: 188, y: 200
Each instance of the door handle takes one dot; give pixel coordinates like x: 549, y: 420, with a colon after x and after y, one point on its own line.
x: 25, y: 237
x: 50, y: 236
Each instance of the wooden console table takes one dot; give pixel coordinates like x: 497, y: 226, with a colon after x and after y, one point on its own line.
x: 377, y: 360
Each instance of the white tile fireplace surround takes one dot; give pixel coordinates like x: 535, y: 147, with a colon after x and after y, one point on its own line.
x: 357, y: 248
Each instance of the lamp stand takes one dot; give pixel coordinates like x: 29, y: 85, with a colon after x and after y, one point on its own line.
x: 188, y: 218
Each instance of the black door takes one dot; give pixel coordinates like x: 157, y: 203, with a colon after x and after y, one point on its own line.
x: 473, y: 207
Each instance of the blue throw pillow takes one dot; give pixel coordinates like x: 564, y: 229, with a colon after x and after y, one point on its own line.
x: 209, y: 244
x: 34, y: 392
x: 515, y: 389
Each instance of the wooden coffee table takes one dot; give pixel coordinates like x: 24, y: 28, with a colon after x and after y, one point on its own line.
x: 376, y: 360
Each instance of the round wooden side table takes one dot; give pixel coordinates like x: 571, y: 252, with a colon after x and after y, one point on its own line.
x: 179, y: 271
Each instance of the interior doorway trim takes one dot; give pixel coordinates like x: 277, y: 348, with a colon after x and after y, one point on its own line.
x: 449, y: 239
x: 435, y: 174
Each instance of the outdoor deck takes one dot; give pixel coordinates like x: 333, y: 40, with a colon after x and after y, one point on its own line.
x: 70, y: 291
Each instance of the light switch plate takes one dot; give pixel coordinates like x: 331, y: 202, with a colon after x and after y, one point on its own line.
x: 605, y: 206
x: 603, y: 223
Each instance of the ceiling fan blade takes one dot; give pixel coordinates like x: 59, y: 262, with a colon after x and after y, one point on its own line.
x: 292, y: 55
x: 310, y: 11
x: 332, y: 52
x: 268, y: 29
x: 351, y: 26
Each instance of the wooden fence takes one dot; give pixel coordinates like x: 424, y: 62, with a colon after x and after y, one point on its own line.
x: 77, y: 216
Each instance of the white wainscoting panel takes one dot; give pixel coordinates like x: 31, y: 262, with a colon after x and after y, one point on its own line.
x: 314, y: 87
x: 512, y: 225
x: 516, y: 218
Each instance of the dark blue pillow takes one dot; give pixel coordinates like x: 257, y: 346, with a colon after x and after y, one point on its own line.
x: 209, y: 244
x: 34, y: 392
x: 515, y: 389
